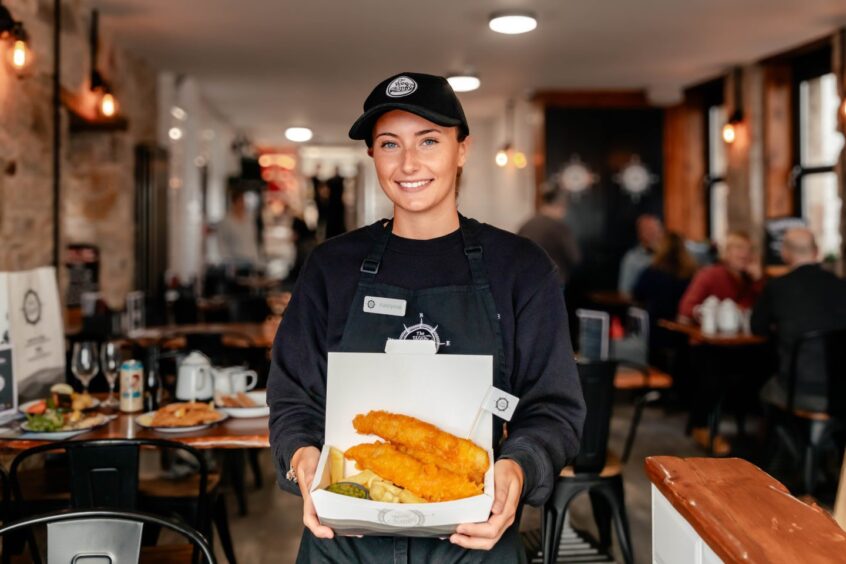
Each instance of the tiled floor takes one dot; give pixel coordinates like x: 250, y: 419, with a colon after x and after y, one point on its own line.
x: 271, y: 531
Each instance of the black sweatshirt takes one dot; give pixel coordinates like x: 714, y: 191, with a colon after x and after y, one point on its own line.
x: 545, y: 429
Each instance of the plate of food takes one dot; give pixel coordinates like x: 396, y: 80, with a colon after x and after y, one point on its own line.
x: 59, y: 417
x: 181, y: 417
x: 62, y: 396
x: 243, y: 404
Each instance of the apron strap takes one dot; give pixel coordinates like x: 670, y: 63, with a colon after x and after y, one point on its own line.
x: 370, y: 264
x: 472, y: 250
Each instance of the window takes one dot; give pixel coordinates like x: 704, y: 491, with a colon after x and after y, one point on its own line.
x: 818, y: 145
x: 717, y: 189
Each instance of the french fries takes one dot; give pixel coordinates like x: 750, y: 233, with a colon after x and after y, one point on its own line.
x: 336, y: 465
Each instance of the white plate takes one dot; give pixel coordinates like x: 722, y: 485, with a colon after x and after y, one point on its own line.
x: 260, y: 410
x: 23, y: 407
x: 145, y: 419
x: 62, y: 435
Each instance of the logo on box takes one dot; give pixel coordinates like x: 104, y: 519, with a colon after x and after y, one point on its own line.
x: 401, y: 518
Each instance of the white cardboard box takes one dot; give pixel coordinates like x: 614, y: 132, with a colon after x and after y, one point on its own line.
x: 446, y: 390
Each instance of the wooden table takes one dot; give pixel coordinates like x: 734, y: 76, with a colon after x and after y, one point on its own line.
x: 234, y: 334
x: 719, y: 339
x: 232, y: 433
x: 740, y: 512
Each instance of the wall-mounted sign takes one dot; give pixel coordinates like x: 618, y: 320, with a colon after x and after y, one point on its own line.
x: 575, y: 177
x: 635, y: 178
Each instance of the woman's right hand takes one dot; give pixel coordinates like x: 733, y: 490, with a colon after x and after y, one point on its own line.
x: 304, y: 463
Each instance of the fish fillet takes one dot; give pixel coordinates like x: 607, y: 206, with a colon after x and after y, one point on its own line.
x: 424, y: 480
x: 426, y: 442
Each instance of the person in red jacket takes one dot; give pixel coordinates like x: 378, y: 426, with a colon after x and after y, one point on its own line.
x: 737, y: 276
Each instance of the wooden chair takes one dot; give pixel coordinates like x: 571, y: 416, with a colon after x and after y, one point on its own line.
x: 647, y: 382
x: 104, y: 473
x: 83, y: 535
x: 807, y: 433
x: 595, y: 470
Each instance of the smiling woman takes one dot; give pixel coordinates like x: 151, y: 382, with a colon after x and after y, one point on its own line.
x: 475, y: 289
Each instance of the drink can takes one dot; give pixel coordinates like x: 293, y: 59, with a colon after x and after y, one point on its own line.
x: 131, y: 386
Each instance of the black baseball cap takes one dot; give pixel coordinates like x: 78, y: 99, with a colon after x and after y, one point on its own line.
x: 425, y: 95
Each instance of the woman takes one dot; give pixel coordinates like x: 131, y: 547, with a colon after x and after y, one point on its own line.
x: 661, y: 286
x: 481, y: 290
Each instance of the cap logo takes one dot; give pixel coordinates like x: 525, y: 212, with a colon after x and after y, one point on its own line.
x: 401, y: 86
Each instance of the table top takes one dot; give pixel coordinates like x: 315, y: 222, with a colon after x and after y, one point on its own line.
x: 235, y: 334
x: 231, y: 433
x: 743, y: 513
x: 611, y: 298
x: 720, y: 339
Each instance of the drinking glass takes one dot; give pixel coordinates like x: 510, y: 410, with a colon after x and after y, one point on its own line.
x: 84, y: 362
x: 110, y: 363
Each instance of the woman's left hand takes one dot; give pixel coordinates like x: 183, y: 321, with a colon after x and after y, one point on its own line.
x: 508, y: 486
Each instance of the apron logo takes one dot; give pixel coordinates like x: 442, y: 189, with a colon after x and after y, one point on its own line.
x: 423, y: 332
x: 501, y: 404
x: 371, y: 304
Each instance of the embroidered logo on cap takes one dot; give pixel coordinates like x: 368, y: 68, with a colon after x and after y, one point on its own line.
x: 401, y: 86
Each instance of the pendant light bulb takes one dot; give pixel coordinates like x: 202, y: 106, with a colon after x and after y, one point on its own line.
x: 108, y: 105
x: 501, y: 157
x: 20, y: 55
x: 519, y: 159
x: 729, y: 133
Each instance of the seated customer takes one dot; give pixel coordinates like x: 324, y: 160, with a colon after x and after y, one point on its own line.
x: 805, y: 299
x: 660, y: 287
x: 737, y: 276
x: 649, y: 235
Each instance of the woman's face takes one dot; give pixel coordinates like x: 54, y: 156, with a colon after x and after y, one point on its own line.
x: 417, y: 161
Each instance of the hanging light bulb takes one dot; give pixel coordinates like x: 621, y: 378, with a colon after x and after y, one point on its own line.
x: 730, y: 128
x: 18, y: 54
x: 108, y: 105
x: 519, y: 159
x: 502, y: 156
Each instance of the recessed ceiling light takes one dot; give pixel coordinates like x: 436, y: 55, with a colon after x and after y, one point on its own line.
x: 298, y: 134
x: 464, y: 82
x: 512, y: 23
x: 175, y: 133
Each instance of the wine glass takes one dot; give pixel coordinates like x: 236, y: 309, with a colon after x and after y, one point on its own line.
x: 84, y: 362
x: 110, y: 363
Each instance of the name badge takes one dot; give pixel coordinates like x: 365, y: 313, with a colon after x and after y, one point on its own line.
x: 384, y: 306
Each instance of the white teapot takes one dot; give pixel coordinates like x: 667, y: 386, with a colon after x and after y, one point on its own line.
x: 729, y: 317
x: 707, y: 312
x: 195, y: 380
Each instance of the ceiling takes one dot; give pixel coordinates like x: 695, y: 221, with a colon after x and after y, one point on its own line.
x: 270, y: 64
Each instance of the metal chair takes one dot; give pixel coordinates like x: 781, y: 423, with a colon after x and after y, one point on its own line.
x: 106, y: 536
x: 806, y: 433
x: 104, y: 473
x: 595, y: 470
x: 647, y: 383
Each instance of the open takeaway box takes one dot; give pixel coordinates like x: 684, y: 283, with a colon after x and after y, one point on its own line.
x: 409, y: 379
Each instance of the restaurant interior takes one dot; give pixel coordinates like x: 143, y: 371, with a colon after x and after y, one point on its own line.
x: 166, y: 168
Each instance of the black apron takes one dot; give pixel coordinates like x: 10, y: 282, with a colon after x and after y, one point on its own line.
x: 461, y: 320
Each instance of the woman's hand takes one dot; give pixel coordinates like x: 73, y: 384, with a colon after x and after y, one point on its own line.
x: 508, y: 486
x: 304, y: 463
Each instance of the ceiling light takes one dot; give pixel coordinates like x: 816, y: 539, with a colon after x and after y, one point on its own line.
x: 178, y: 113
x: 175, y: 133
x: 108, y: 105
x: 464, y: 83
x: 512, y: 23
x: 298, y: 134
x: 519, y: 159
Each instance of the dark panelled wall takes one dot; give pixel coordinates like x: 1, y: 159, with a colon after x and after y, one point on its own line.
x: 603, y: 216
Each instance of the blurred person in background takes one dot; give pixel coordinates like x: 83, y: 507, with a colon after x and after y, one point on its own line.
x: 807, y: 298
x: 548, y: 228
x: 660, y: 287
x: 237, y: 235
x: 737, y: 276
x: 650, y: 231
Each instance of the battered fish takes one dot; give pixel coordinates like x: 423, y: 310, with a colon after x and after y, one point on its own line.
x: 427, y: 443
x: 424, y: 480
